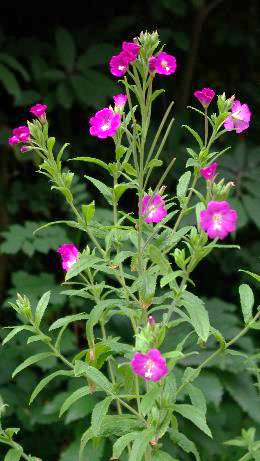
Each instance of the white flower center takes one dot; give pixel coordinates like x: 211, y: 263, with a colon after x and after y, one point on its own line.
x: 105, y: 127
x: 149, y: 367
x: 121, y: 67
x: 236, y: 115
x: 217, y: 219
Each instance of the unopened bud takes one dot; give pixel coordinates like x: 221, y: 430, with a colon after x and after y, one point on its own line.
x: 91, y: 355
x: 150, y: 320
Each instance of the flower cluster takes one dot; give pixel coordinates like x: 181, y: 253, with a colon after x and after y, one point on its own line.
x: 21, y: 134
x: 119, y: 63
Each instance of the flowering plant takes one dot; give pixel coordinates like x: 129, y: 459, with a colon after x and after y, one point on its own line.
x: 139, y: 267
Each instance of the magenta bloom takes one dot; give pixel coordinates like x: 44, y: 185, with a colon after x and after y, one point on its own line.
x: 69, y: 255
x: 163, y: 63
x: 153, y: 208
x: 132, y: 49
x: 150, y: 366
x: 209, y: 172
x: 120, y: 100
x: 119, y: 64
x: 205, y: 96
x: 218, y: 220
x: 39, y: 110
x: 20, y: 134
x: 104, y: 123
x: 239, y: 118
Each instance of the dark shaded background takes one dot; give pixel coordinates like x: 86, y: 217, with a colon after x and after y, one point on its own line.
x: 216, y: 44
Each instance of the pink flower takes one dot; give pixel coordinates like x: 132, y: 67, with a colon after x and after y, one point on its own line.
x: 209, y: 172
x: 153, y: 208
x: 150, y: 366
x: 104, y: 123
x: 163, y: 63
x: 205, y: 96
x: 39, y: 110
x: 239, y: 118
x: 132, y: 49
x: 20, y: 134
x: 218, y: 220
x: 69, y: 255
x: 119, y: 64
x: 120, y: 100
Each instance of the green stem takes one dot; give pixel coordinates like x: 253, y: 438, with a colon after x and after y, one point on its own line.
x: 206, y: 127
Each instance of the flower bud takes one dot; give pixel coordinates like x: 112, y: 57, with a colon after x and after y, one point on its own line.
x: 24, y: 306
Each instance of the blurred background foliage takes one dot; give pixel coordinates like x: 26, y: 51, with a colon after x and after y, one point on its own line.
x: 60, y: 58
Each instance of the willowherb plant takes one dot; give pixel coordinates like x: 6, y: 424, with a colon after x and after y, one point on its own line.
x: 140, y: 267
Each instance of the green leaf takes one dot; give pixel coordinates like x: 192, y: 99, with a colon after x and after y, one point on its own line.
x: 9, y: 81
x: 120, y: 445
x: 129, y: 169
x: 31, y: 361
x: 68, y: 319
x: 66, y: 48
x: 88, y: 211
x: 120, y: 150
x: 252, y: 207
x: 82, y: 368
x: 154, y: 163
x: 149, y: 399
x: 195, y: 415
x: 41, y: 385
x: 76, y: 395
x: 195, y: 135
x: 183, y: 185
x: 122, y: 256
x: 163, y: 456
x: 97, y: 161
x: 247, y: 302
x: 198, y: 314
x: 98, y: 414
x: 158, y: 258
x: 82, y: 264
x: 15, y: 65
x: 41, y: 307
x: 197, y: 397
x: 15, y: 331
x: 252, y: 274
x: 14, y: 454
x: 140, y: 445
x: 170, y: 277
x: 186, y: 445
x: 248, y: 400
x: 95, y: 315
x: 105, y: 191
x: 120, y: 189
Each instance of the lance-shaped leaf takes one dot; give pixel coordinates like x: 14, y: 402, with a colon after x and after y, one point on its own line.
x: 99, y: 413
x: 82, y: 368
x: 183, y: 185
x: 74, y: 397
x: 198, y: 314
x: 67, y: 320
x: 84, y: 262
x: 195, y: 415
x: 41, y: 385
x: 122, y: 443
x: 140, y: 445
x: 247, y: 302
x: 41, y: 307
x: 14, y: 454
x: 31, y: 361
x: 105, y: 191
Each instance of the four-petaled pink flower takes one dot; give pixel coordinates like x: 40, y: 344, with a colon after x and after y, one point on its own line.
x: 20, y: 134
x: 39, y: 110
x: 153, y: 208
x: 150, y: 366
x: 104, y: 123
x: 205, y: 96
x: 69, y: 255
x: 209, y: 172
x: 239, y: 118
x: 119, y: 64
x: 163, y: 63
x: 218, y: 220
x: 120, y: 100
x: 132, y: 49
